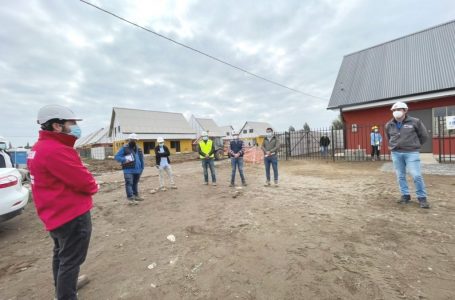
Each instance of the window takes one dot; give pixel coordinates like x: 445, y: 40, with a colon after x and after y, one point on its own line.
x: 442, y: 112
x: 149, y: 147
x: 175, y: 145
x: 228, y: 133
x: 354, y: 127
x: 245, y: 131
x: 251, y: 130
x: 118, y: 128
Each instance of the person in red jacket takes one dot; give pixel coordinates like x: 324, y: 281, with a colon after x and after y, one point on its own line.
x: 62, y: 192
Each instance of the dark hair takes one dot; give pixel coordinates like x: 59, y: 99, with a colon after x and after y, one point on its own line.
x: 48, y: 125
x: 270, y: 128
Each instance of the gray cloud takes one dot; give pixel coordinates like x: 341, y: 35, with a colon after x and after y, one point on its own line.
x: 69, y: 53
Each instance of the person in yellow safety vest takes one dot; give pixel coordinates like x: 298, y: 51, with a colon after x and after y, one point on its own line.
x: 206, y: 149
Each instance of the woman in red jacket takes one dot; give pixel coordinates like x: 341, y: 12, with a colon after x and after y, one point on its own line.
x: 62, y: 191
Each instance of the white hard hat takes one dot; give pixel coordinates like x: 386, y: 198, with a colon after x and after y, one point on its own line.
x: 55, y: 111
x: 204, y: 133
x: 133, y: 136
x: 235, y: 132
x: 398, y: 105
x: 160, y: 140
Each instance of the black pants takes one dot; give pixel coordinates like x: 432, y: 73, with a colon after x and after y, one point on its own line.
x: 71, y: 242
x: 375, y: 151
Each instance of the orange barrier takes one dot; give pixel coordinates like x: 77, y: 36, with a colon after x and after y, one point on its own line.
x: 253, y: 155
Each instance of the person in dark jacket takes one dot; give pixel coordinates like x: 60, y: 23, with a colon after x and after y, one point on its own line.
x: 270, y: 147
x: 163, y: 163
x: 62, y: 190
x: 324, y: 143
x: 405, y: 136
x: 236, y: 151
x: 132, y: 159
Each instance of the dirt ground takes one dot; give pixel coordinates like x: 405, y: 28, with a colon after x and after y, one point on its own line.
x: 329, y: 231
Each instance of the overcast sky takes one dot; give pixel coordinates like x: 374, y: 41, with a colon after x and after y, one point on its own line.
x: 66, y: 52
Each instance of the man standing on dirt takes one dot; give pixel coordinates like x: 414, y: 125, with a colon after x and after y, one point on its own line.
x: 206, y: 149
x: 62, y: 192
x: 163, y: 163
x: 132, y: 159
x: 270, y: 147
x: 236, y: 151
x: 406, y: 135
x: 324, y: 143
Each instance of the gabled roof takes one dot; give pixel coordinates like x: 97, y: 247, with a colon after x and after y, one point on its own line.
x: 210, y: 126
x: 146, y: 121
x: 98, y: 137
x: 419, y: 63
x: 226, y: 128
x: 259, y: 128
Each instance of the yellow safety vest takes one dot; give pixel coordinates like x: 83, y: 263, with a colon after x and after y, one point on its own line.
x: 206, y: 148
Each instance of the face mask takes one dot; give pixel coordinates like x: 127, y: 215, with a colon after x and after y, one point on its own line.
x: 398, y: 114
x: 2, y: 146
x: 236, y: 137
x: 161, y: 144
x: 269, y: 134
x: 132, y: 143
x: 75, y: 131
x: 376, y: 130
x: 205, y: 138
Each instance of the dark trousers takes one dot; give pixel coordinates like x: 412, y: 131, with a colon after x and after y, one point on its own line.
x: 131, y: 182
x: 271, y: 160
x: 71, y: 242
x: 209, y: 164
x: 375, y: 151
x: 237, y: 163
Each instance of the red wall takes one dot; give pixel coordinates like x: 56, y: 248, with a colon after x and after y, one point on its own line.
x: 365, y: 118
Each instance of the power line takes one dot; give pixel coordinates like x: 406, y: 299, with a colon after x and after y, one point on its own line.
x: 201, y: 52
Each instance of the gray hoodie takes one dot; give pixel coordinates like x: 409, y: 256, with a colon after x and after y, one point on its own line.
x: 409, y: 138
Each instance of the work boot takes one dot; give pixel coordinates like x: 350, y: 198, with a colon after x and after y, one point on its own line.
x: 276, y: 183
x: 131, y: 201
x: 206, y: 183
x: 423, y: 202
x: 232, y: 184
x: 404, y: 199
x: 214, y: 183
x: 138, y: 198
x: 173, y: 186
x: 244, y: 183
x: 82, y: 281
x: 267, y: 183
x: 163, y: 189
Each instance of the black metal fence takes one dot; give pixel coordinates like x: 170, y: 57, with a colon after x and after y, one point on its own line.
x: 445, y: 140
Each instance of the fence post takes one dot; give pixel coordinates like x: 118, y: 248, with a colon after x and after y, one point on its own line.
x: 439, y: 139
x: 287, y: 142
x: 333, y: 144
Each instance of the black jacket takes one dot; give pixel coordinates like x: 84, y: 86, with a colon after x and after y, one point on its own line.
x: 324, y: 141
x: 159, y: 155
x: 2, y: 160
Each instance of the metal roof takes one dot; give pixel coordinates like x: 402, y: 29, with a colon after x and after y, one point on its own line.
x: 259, y: 128
x: 418, y: 63
x: 98, y: 137
x: 211, y: 127
x: 146, y: 121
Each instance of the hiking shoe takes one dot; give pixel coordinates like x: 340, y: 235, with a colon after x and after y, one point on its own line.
x: 214, y: 183
x: 404, y: 199
x: 276, y: 183
x: 231, y: 185
x: 163, y: 189
x: 423, y: 203
x: 132, y: 202
x: 138, y: 198
x: 206, y: 183
x: 244, y: 183
x: 267, y: 183
x: 173, y: 186
x: 82, y: 281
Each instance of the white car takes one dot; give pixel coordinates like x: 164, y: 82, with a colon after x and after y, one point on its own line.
x: 13, y: 196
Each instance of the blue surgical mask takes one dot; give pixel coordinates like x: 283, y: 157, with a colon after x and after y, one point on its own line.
x: 75, y: 131
x: 205, y: 138
x: 161, y: 144
x: 2, y: 146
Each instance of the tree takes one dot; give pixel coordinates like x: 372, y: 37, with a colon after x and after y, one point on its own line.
x: 306, y: 127
x: 10, y: 145
x: 291, y: 128
x: 337, y: 123
x: 27, y: 146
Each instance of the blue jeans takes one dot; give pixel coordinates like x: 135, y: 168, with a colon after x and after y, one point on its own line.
x: 324, y: 150
x: 411, y: 160
x: 209, y: 163
x: 131, y: 182
x: 271, y: 160
x: 237, y: 162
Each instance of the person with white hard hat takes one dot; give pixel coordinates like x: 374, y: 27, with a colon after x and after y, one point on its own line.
x: 5, y: 157
x: 163, y: 163
x: 131, y: 158
x: 62, y: 190
x: 206, y: 150
x: 236, y: 151
x: 406, y: 135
